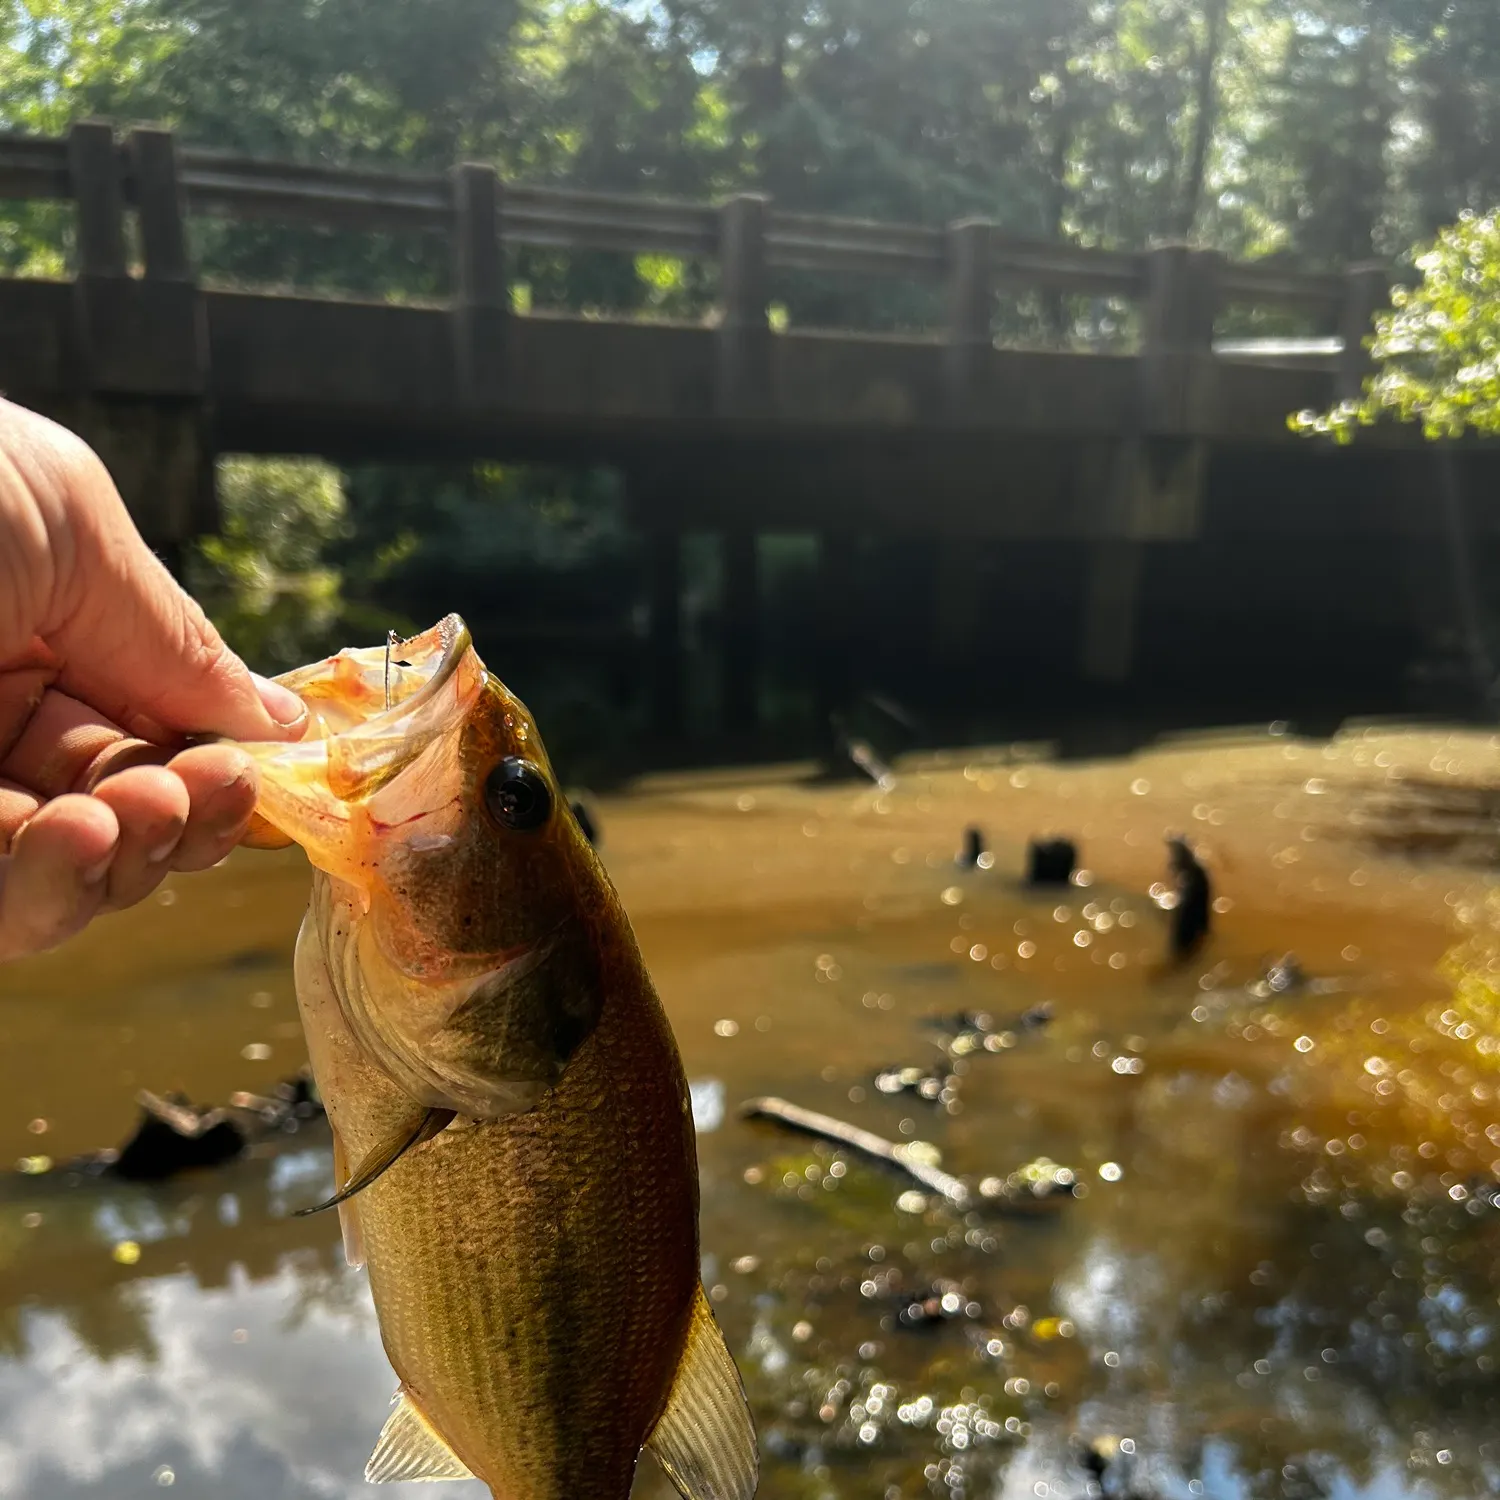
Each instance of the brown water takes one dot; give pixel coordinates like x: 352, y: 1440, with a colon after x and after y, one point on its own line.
x: 1281, y: 1277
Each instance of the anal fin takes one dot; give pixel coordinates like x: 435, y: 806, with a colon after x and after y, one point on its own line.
x: 354, y: 1240
x: 705, y: 1439
x: 411, y: 1448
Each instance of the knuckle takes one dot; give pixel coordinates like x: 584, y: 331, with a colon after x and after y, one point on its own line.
x: 202, y: 648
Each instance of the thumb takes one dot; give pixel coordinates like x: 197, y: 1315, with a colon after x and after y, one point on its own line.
x: 159, y: 664
x: 136, y: 647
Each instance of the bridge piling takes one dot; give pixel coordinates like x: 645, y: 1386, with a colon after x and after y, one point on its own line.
x: 1112, y: 609
x: 1156, y: 487
x: 663, y: 548
x: 740, y: 624
x: 837, y: 608
x: 956, y: 600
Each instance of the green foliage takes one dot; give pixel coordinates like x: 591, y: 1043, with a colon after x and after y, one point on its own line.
x: 264, y: 580
x: 1438, y: 348
x: 1323, y: 130
x: 1314, y: 131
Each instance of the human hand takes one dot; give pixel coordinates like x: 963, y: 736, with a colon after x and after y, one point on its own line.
x: 100, y: 650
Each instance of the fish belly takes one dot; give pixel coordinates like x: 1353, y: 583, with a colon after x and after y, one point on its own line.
x: 534, y: 1276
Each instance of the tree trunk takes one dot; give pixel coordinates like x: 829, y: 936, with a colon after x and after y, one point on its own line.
x: 1205, y: 118
x: 1371, y: 133
x: 1053, y: 311
x: 769, y: 93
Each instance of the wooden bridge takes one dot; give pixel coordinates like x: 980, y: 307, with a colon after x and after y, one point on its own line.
x: 724, y: 424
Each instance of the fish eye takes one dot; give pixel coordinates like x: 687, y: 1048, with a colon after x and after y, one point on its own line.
x: 517, y: 795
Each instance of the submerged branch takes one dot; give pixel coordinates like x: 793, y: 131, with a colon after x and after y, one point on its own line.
x: 901, y: 1155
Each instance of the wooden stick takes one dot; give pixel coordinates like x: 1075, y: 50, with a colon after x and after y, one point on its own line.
x: 895, y: 1154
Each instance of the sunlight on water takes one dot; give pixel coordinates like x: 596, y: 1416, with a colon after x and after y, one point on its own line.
x: 1278, y: 1275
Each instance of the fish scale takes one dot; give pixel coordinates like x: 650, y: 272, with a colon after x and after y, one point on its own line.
x: 488, y: 1204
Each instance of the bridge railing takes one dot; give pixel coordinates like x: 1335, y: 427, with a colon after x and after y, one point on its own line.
x: 1180, y: 290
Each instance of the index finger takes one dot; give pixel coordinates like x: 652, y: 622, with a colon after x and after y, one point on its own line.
x: 65, y: 746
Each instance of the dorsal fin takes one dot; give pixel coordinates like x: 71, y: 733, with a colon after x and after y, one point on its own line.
x: 705, y: 1440
x: 410, y: 1448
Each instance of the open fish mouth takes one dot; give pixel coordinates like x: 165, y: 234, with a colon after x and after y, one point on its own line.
x: 372, y: 713
x: 376, y: 691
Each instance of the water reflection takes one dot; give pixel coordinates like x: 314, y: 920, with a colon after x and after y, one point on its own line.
x: 260, y: 1387
x: 1279, y: 1276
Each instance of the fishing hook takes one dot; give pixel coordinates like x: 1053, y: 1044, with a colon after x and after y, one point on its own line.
x: 390, y: 641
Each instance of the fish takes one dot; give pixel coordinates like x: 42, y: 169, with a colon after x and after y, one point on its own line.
x: 513, y: 1137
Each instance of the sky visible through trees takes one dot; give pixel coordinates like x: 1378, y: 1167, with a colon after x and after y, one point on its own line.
x: 1326, y: 131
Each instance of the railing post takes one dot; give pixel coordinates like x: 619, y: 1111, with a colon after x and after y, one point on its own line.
x: 142, y: 344
x: 172, y: 354
x: 159, y: 202
x: 168, y: 354
x: 1177, y: 338
x: 481, y: 298
x: 744, y: 357
x: 101, y: 283
x: 1367, y: 289
x: 94, y: 171
x: 970, y: 303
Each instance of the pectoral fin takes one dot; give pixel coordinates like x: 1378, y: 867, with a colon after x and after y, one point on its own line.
x: 409, y: 1447
x: 354, y: 1240
x: 705, y: 1440
x: 385, y: 1155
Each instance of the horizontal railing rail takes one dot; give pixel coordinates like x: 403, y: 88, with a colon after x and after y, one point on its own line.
x: 143, y: 332
x: 225, y: 185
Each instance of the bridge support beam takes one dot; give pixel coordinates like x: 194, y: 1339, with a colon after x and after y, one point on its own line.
x: 664, y: 663
x: 1155, y: 493
x: 740, y: 641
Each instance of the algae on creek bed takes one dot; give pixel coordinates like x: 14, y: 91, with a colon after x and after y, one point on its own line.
x: 1282, y: 1278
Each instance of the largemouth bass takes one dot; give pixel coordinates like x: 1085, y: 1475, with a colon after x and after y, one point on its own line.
x: 513, y: 1139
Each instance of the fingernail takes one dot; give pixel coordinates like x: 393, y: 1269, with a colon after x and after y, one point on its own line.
x: 233, y: 825
x: 243, y: 775
x: 95, y: 874
x: 163, y: 850
x: 281, y: 703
